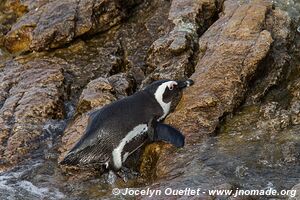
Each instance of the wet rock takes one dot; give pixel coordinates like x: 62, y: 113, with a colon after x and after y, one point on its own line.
x: 294, y: 107
x: 274, y: 68
x: 229, y: 54
x: 150, y: 157
x: 58, y: 22
x: 295, y: 195
x: 170, y: 56
x: 97, y: 93
x: 30, y: 94
x: 275, y: 119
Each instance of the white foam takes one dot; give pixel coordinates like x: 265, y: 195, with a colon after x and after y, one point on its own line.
x: 13, y: 187
x: 28, y: 186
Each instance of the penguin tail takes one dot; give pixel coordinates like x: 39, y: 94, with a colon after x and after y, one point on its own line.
x: 70, y: 159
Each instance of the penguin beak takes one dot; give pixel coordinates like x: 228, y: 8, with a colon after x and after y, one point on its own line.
x: 184, y: 84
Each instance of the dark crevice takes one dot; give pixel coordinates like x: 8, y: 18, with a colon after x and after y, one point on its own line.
x: 120, y: 66
x: 203, y: 25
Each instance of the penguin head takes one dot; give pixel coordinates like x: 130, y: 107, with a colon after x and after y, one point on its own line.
x: 166, y: 91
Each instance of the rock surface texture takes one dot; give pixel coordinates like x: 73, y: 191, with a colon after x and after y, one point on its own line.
x: 57, y: 23
x: 228, y: 57
x: 230, y: 53
x: 60, y: 60
x: 31, y: 92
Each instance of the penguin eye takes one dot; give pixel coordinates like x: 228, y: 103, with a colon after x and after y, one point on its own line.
x: 171, y: 86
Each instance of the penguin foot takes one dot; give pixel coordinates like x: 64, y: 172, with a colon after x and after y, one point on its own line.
x: 122, y: 175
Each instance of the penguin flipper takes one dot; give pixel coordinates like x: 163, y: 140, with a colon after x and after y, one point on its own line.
x: 167, y: 133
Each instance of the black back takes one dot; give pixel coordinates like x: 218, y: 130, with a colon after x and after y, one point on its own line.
x: 109, y: 125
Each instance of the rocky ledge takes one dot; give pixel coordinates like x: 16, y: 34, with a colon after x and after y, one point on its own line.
x: 242, y: 56
x: 51, y: 24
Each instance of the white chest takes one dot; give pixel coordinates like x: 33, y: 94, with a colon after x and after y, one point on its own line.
x: 117, y: 152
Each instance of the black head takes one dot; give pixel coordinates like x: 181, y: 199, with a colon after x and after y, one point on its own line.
x: 165, y: 91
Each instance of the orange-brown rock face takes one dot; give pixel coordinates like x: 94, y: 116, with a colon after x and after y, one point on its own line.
x: 241, y: 55
x: 31, y: 94
x: 55, y: 23
x: 230, y: 52
x: 229, y: 56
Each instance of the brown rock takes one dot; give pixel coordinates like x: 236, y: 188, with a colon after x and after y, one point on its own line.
x: 22, y: 6
x: 148, y: 24
x: 229, y: 57
x: 30, y: 94
x: 276, y: 63
x: 97, y: 93
x: 58, y: 22
x: 18, y: 7
x: 170, y: 56
x: 229, y: 54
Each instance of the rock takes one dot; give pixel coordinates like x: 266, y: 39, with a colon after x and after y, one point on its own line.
x: 170, y: 56
x: 97, y: 93
x: 123, y: 86
x: 7, y: 17
x: 23, y: 6
x: 58, y: 22
x: 150, y: 156
x: 150, y: 23
x: 295, y: 192
x: 274, y: 68
x: 30, y: 94
x: 229, y: 54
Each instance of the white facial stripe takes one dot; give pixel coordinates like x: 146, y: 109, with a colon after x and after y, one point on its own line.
x: 159, y: 97
x: 117, y: 152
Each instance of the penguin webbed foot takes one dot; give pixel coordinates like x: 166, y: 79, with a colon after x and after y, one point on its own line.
x: 167, y: 133
x: 122, y: 175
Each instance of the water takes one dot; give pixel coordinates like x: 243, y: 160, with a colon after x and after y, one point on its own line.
x: 16, y: 184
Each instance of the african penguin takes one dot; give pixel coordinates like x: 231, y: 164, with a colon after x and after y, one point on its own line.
x: 115, y: 131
